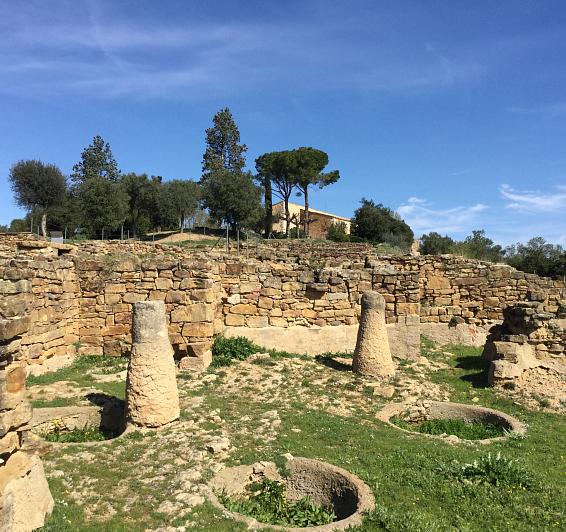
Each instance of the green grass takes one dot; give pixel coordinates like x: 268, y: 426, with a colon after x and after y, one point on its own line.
x: 455, y: 427
x: 78, y: 371
x: 420, y: 484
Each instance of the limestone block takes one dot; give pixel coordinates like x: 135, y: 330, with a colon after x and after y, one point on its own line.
x: 243, y: 309
x: 12, y: 387
x: 25, y: 500
x: 13, y: 327
x: 198, y: 330
x: 372, y: 355
x: 9, y: 443
x: 11, y: 419
x: 151, y: 389
x: 236, y: 320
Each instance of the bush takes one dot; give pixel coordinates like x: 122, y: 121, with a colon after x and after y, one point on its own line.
x: 227, y: 350
x: 337, y: 232
x: 497, y: 470
x: 267, y: 502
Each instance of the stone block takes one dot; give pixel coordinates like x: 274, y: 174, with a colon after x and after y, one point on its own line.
x: 12, y: 419
x: 13, y: 327
x: 134, y: 297
x: 235, y: 320
x: 242, y: 308
x: 198, y: 330
x: 257, y: 321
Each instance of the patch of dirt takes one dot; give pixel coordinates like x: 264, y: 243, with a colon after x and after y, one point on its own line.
x: 538, y: 389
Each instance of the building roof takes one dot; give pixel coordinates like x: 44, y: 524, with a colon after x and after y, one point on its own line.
x: 314, y: 211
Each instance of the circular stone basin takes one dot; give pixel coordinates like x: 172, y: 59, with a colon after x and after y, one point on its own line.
x: 108, y: 418
x: 324, y: 484
x: 428, y: 410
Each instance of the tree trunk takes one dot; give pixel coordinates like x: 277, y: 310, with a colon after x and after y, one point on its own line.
x: 44, y: 225
x: 307, y: 221
x: 268, y: 227
x: 287, y: 218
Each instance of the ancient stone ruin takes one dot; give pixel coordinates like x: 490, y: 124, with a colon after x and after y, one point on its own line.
x: 532, y: 335
x: 25, y: 499
x: 152, y: 397
x: 372, y: 356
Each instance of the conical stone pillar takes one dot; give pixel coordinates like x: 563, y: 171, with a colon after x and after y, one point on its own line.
x: 151, y: 388
x: 372, y: 356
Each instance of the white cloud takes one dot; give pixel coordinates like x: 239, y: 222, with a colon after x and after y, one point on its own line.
x: 423, y: 218
x: 534, y: 201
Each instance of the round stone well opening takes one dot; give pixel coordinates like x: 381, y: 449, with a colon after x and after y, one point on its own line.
x: 91, y: 424
x: 420, y: 411
x: 324, y: 484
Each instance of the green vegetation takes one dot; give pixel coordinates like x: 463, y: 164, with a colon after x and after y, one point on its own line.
x: 267, y: 502
x: 455, y: 427
x: 227, y: 350
x: 322, y: 412
x: 78, y: 435
x: 376, y: 223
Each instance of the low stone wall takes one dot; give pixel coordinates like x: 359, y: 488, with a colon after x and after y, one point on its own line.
x: 404, y: 338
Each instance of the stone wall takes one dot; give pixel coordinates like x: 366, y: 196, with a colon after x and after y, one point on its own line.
x: 83, y: 295
x: 24, y: 494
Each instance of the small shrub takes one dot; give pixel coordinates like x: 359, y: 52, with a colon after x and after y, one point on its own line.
x: 497, y: 470
x: 267, y: 502
x: 455, y: 427
x: 226, y: 350
x: 77, y: 435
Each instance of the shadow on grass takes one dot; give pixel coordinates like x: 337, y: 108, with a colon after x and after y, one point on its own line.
x: 331, y: 362
x: 477, y: 367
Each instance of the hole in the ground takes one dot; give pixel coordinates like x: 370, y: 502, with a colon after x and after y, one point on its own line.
x: 80, y: 424
x: 327, y: 487
x: 444, y: 419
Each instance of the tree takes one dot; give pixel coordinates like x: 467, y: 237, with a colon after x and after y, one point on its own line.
x: 19, y: 225
x: 337, y: 232
x: 264, y: 181
x: 184, y: 199
x: 104, y: 205
x: 223, y: 148
x: 434, y: 244
x: 96, y: 161
x: 380, y: 224
x: 308, y: 166
x: 233, y: 198
x: 38, y: 186
x: 538, y: 256
x: 279, y: 168
x: 478, y: 246
x: 141, y: 200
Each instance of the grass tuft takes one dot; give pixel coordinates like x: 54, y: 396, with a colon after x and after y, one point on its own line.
x: 455, y: 427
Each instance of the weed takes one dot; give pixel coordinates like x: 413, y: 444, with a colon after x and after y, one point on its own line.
x: 456, y: 427
x: 78, y: 435
x: 497, y: 470
x: 226, y: 350
x: 267, y: 502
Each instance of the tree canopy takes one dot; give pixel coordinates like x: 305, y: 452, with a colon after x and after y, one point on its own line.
x: 38, y: 186
x: 435, y: 244
x: 96, y: 161
x: 233, y: 198
x: 308, y: 166
x: 380, y: 224
x: 223, y: 148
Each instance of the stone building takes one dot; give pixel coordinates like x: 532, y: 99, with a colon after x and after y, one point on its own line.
x: 320, y: 221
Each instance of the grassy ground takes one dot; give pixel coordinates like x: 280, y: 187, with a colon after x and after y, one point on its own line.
x: 271, y: 405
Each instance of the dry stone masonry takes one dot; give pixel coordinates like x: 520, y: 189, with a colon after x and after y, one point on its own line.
x: 152, y: 397
x: 530, y: 336
x: 372, y: 356
x: 83, y: 295
x: 25, y: 499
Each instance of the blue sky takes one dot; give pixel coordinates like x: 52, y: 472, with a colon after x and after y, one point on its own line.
x: 453, y: 113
